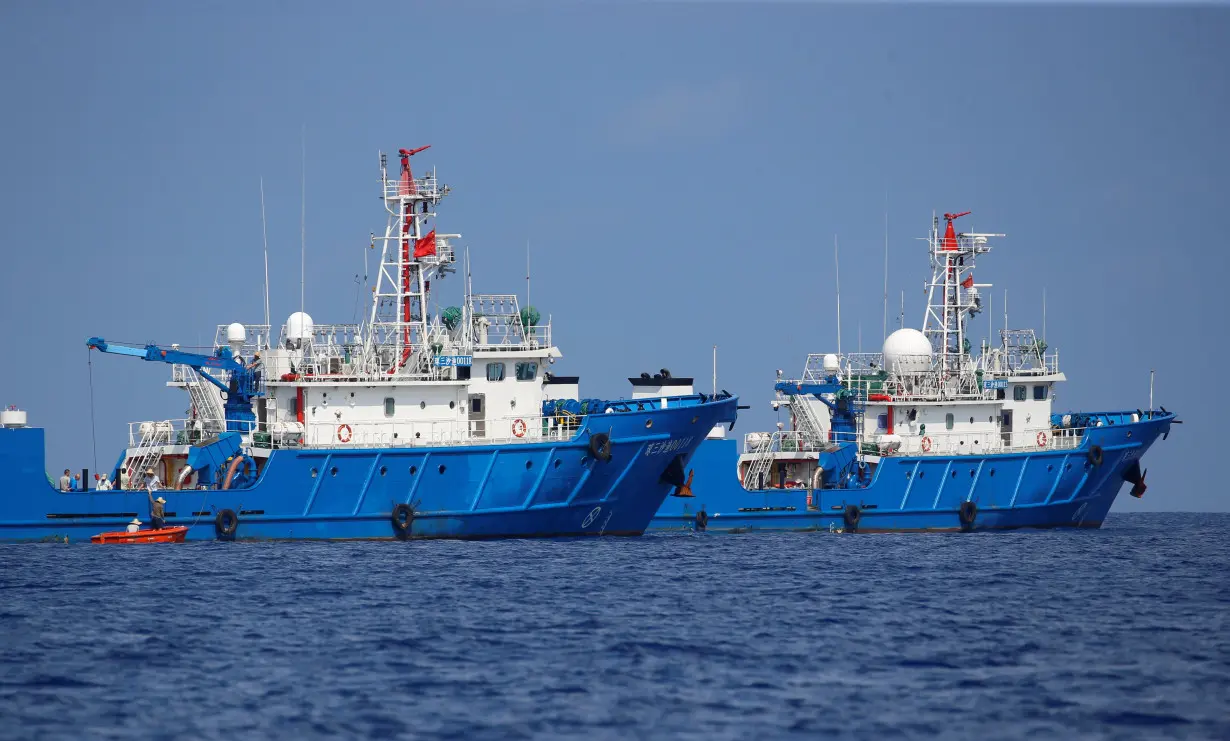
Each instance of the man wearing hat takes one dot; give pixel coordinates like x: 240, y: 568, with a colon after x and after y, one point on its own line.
x: 155, y: 505
x: 134, y: 526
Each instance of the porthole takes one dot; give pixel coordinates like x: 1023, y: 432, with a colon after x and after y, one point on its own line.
x: 414, y: 470
x: 529, y: 465
x: 971, y: 420
x: 452, y: 405
x: 333, y: 471
x: 971, y: 473
x: 313, y: 473
x: 1050, y: 467
x: 422, y: 405
x: 921, y: 474
x: 558, y: 462
x: 417, y: 435
x: 442, y: 468
x: 649, y: 423
x: 908, y: 474
x: 992, y: 471
x: 954, y: 474
x: 384, y: 470
x: 1068, y: 467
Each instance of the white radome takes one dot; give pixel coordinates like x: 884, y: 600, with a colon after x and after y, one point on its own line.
x: 907, y: 351
x: 236, y: 333
x: 830, y: 363
x: 299, y: 327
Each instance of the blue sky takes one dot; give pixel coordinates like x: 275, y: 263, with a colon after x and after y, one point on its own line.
x: 679, y: 169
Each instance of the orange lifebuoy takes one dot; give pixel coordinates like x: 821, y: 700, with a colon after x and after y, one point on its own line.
x: 518, y: 427
x: 344, y: 433
x: 1041, y: 439
x: 926, y: 445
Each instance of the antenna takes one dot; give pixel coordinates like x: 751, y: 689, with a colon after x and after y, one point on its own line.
x: 901, y: 316
x: 715, y: 376
x: 527, y: 272
x: 265, y: 239
x: 1005, y: 310
x: 1044, y: 312
x: 837, y: 277
x: 1151, y: 393
x: 885, y: 264
x: 302, y: 212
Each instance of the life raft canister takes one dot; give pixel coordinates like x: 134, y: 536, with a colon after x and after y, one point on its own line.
x: 226, y: 523
x: 967, y: 513
x: 344, y: 433
x: 403, y: 518
x: 852, y: 517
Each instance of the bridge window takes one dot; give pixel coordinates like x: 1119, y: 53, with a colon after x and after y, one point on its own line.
x: 882, y: 422
x: 389, y: 406
x: 495, y: 371
x: 1040, y: 392
x: 526, y: 371
x: 1018, y: 393
x: 948, y: 421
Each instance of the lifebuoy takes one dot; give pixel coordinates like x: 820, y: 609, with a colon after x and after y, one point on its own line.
x: 1041, y: 437
x: 926, y: 445
x: 600, y: 446
x: 1095, y: 455
x: 403, y: 518
x: 518, y: 427
x: 344, y: 433
x: 967, y: 514
x: 852, y: 516
x: 226, y: 523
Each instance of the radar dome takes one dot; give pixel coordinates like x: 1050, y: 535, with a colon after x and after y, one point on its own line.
x: 236, y: 333
x: 907, y: 351
x: 830, y: 363
x: 299, y: 327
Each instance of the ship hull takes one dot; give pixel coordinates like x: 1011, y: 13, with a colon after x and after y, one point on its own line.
x: 1021, y: 489
x: 541, y: 489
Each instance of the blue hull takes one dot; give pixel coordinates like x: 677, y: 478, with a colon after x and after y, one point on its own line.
x: 1044, y: 489
x: 545, y: 489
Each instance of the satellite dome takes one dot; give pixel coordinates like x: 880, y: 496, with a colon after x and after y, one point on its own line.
x: 830, y: 363
x: 299, y: 327
x: 236, y: 333
x: 907, y: 351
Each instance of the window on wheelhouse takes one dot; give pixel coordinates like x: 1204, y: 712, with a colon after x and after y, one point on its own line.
x: 495, y: 371
x: 1018, y: 393
x: 947, y: 421
x: 882, y: 422
x: 1040, y: 392
x: 390, y: 406
x: 526, y: 371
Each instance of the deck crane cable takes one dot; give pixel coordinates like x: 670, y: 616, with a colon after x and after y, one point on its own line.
x: 89, y: 362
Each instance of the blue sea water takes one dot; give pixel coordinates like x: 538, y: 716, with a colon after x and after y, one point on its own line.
x: 1122, y: 632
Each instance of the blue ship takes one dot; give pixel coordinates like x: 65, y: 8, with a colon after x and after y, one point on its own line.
x: 406, y: 426
x: 924, y: 435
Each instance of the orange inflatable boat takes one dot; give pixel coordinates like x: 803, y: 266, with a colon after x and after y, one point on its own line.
x: 165, y: 535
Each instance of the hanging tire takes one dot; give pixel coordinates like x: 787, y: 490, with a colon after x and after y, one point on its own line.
x: 967, y: 514
x: 852, y: 517
x: 600, y: 446
x: 1095, y: 455
x: 403, y: 518
x: 226, y: 523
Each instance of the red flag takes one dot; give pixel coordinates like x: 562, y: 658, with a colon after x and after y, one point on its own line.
x: 968, y: 282
x: 426, y: 245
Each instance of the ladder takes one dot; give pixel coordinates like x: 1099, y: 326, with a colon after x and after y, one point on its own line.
x: 149, y: 452
x: 208, y: 407
x: 807, y: 421
x: 762, y: 462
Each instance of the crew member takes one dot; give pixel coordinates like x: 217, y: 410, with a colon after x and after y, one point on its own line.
x: 66, y: 481
x: 156, y: 510
x: 702, y: 519
x: 104, y: 484
x: 134, y: 526
x: 152, y: 482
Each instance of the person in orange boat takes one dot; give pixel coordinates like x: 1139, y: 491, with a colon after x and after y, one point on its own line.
x: 156, y: 510
x: 134, y: 526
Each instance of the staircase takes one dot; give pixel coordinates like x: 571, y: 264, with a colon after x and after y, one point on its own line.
x: 807, y: 422
x: 208, y: 407
x: 149, y: 452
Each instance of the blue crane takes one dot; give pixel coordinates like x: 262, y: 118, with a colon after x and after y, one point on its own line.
x: 242, y: 386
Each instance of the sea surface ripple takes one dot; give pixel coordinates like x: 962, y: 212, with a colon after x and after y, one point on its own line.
x: 1122, y: 632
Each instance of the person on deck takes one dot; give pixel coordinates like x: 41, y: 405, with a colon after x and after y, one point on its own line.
x: 66, y: 481
x: 77, y: 482
x: 134, y: 526
x: 152, y: 482
x: 104, y: 484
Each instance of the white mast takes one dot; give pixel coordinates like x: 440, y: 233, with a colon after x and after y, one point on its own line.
x: 715, y: 372
x: 885, y: 265
x: 302, y: 214
x: 265, y: 240
x: 837, y: 277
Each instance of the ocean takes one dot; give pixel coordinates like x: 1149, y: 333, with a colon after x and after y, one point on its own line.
x: 1122, y: 632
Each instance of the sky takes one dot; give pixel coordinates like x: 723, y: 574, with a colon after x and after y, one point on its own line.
x: 679, y: 172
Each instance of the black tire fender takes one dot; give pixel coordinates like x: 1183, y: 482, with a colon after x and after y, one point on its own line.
x: 403, y: 518
x: 1095, y: 454
x: 600, y: 446
x: 852, y: 517
x: 967, y: 513
x: 226, y: 523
